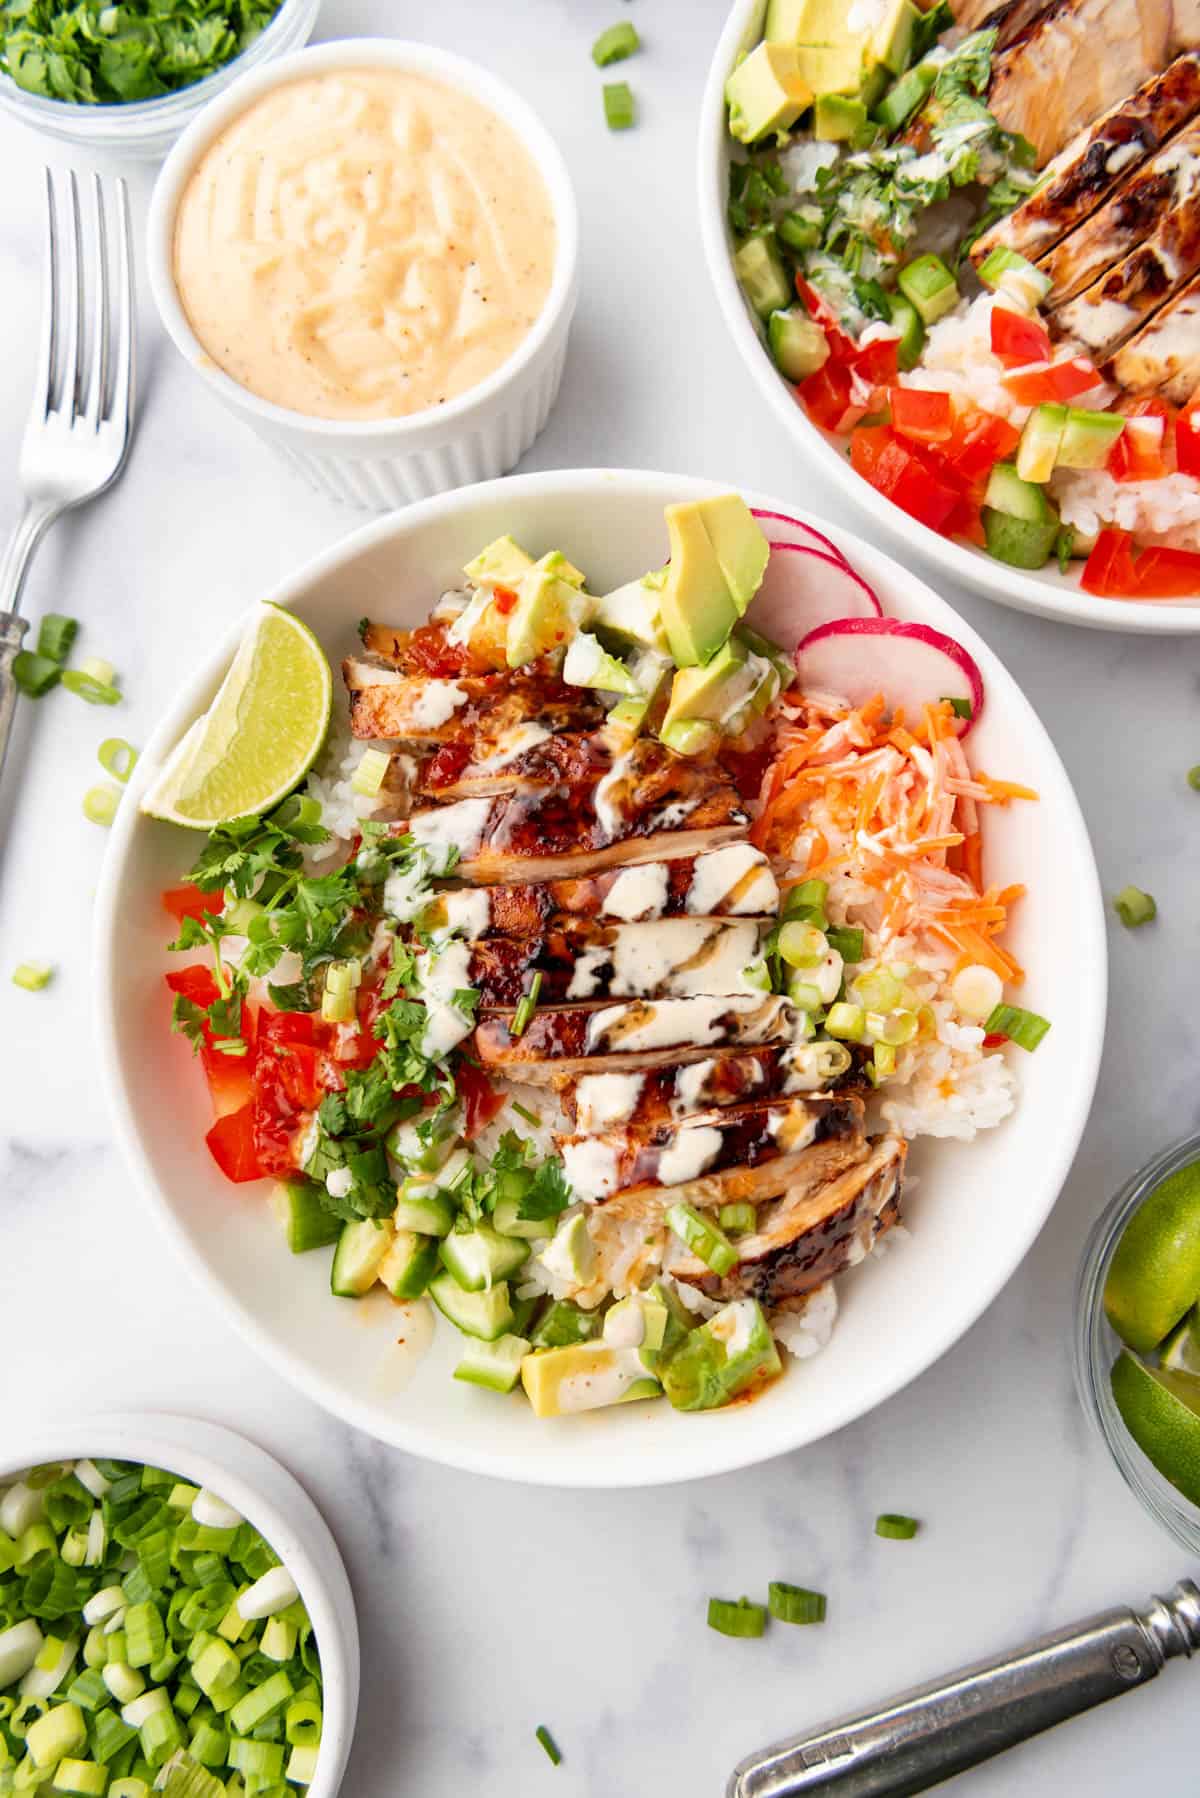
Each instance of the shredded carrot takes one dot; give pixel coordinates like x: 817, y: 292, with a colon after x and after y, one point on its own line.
x: 1003, y: 790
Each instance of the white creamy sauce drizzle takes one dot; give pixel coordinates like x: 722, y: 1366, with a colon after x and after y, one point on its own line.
x: 688, y: 1023
x: 656, y: 958
x: 442, y: 973
x: 638, y: 892
x: 478, y: 603
x: 734, y: 1326
x: 591, y: 1168
x: 466, y: 912
x: 602, y: 1100
x: 717, y: 874
x: 691, y: 1086
x: 686, y: 1158
x: 435, y: 701
x: 585, y: 975
x: 459, y: 826
x: 792, y: 1127
x: 608, y: 796
x: 672, y: 816
x: 614, y: 1373
x: 511, y: 744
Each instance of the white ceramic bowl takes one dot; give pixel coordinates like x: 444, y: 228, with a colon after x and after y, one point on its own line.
x: 974, y: 1210
x: 269, y: 1498
x: 378, y: 464
x: 1046, y: 591
x: 144, y: 130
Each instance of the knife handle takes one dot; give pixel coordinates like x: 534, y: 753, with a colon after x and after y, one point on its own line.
x: 936, y: 1730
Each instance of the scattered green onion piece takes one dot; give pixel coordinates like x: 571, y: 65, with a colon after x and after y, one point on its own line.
x: 703, y: 1237
x: 877, y: 991
x: 615, y: 44
x: 883, y: 1062
x: 895, y: 1526
x: 530, y: 1117
x: 527, y: 1007
x: 35, y: 674
x: 806, y: 901
x: 961, y: 708
x: 847, y: 942
x: 801, y: 992
x: 847, y: 1022
x: 736, y: 1619
x: 1134, y: 907
x: 618, y: 105
x: 1025, y: 1028
x: 117, y: 757
x: 549, y: 1744
x: 369, y: 776
x: 1193, y: 778
x: 795, y: 1604
x: 32, y: 975
x: 86, y: 684
x: 802, y: 945
x: 56, y: 636
x: 740, y: 1219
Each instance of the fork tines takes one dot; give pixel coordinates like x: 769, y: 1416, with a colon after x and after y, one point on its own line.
x: 85, y: 366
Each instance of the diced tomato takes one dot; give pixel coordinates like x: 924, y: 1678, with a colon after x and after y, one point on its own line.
x: 505, y: 600
x: 1137, y: 455
x: 827, y: 395
x: 866, y: 447
x: 1167, y: 574
x: 445, y: 765
x: 481, y: 1100
x: 1018, y: 339
x: 230, y: 1078
x: 427, y: 652
x: 980, y: 441
x: 1187, y: 440
x: 287, y: 1085
x: 190, y: 902
x: 994, y: 1039
x: 1048, y: 381
x: 875, y: 362
x: 1109, y: 570
x: 966, y: 520
x: 924, y: 414
x: 232, y: 1144
x: 894, y: 468
x: 195, y: 983
x: 841, y: 346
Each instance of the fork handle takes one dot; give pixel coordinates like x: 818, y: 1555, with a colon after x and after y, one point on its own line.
x: 27, y: 534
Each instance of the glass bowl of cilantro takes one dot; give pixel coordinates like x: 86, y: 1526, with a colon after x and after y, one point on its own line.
x: 126, y: 76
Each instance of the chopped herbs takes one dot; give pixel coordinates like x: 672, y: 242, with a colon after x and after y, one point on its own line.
x: 895, y: 1526
x: 618, y: 105
x: 549, y: 1744
x: 615, y: 44
x: 1134, y: 907
x: 962, y: 708
x: 108, y: 52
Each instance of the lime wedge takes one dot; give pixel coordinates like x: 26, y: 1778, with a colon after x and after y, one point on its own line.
x: 261, y: 734
x: 1154, y: 1276
x: 1161, y: 1411
x: 1181, y: 1350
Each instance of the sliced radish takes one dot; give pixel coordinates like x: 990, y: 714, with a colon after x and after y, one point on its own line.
x: 912, y: 665
x: 803, y: 588
x: 777, y: 527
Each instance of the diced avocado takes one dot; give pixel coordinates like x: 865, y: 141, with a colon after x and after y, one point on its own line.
x: 640, y: 1322
x: 739, y: 545
x: 571, y: 1253
x: 833, y: 68
x: 779, y: 658
x: 554, y: 562
x: 409, y: 1264
x: 837, y: 119
x: 1011, y: 275
x: 698, y: 610
x: 583, y: 1377
x: 1088, y: 437
x: 588, y: 664
x: 1037, y: 451
x: 1020, y: 542
x: 892, y: 39
x: 907, y: 321
x: 798, y: 344
x: 766, y: 92
x: 652, y: 673
x: 713, y: 691
x: 689, y: 736
x: 904, y: 97
x: 501, y: 564
x: 362, y: 1245
x: 759, y: 268
x: 496, y: 1366
x: 630, y: 617
x: 732, y: 1351
x: 929, y: 286
x: 801, y: 228
x: 874, y: 85
x: 678, y: 1325
x: 546, y: 616
x: 484, y: 1314
x: 783, y: 21
x: 564, y: 1323
x: 1007, y: 492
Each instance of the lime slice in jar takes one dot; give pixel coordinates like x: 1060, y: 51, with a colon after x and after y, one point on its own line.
x: 1154, y: 1276
x: 1160, y: 1408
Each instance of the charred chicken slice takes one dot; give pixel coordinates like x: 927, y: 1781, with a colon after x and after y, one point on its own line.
x: 660, y: 1096
x: 1163, y: 357
x: 803, y: 1170
x: 630, y: 1037
x: 478, y: 710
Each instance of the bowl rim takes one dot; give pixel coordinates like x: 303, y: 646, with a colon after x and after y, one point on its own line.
x: 706, y: 1456
x: 370, y: 53
x: 1052, y: 597
x: 231, y: 1465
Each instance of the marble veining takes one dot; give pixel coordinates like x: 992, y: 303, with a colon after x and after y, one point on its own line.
x: 487, y: 1609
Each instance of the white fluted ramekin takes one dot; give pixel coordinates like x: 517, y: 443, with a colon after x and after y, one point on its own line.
x: 382, y: 463
x: 269, y: 1498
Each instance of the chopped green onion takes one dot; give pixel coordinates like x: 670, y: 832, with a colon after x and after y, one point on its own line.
x: 87, y: 683
x: 33, y: 975
x: 961, y: 708
x: 1134, y: 907
x: 530, y: 1117
x: 802, y: 945
x: 117, y: 757
x: 1025, y: 1028
x: 703, y: 1237
x: 806, y: 901
x: 895, y: 1526
x: 848, y: 1022
x: 549, y: 1744
x: 1193, y: 778
x: 795, y: 1604
x: 618, y: 105
x: 740, y: 1619
x: 527, y: 1007
x: 369, y: 776
x: 740, y: 1219
x: 100, y: 804
x: 35, y: 674
x: 847, y: 942
x: 56, y: 636
x: 615, y: 44
x: 877, y: 991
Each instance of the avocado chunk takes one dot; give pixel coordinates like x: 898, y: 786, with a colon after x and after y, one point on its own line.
x: 1088, y: 437
x: 652, y: 672
x: 698, y: 610
x: 638, y: 1321
x: 548, y: 612
x: 838, y: 119
x: 716, y: 690
x: 784, y: 20
x: 766, y: 92
x: 740, y: 546
x: 690, y: 736
x: 770, y: 652
x: 904, y: 97
x: 588, y: 664
x: 831, y: 53
x: 584, y: 1376
x: 759, y: 268
x: 731, y: 1352
x: 554, y: 562
x: 630, y: 617
x: 501, y: 564
x: 563, y: 1323
x: 892, y: 40
x: 1037, y: 451
x: 571, y: 1253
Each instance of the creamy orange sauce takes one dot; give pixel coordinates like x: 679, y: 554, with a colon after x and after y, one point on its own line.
x: 365, y: 243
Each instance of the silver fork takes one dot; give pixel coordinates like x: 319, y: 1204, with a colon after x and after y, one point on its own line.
x: 78, y: 432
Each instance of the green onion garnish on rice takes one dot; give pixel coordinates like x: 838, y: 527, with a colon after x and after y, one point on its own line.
x: 1025, y: 1028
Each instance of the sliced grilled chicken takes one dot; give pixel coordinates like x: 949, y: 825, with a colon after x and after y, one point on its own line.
x: 646, y: 1101
x: 522, y: 758
x: 809, y: 1236
x: 1085, y: 174
x: 627, y: 1038
x: 807, y: 1170
x: 677, y: 958
x: 1074, y: 60
x: 1163, y: 357
x: 479, y: 708
x: 1156, y: 208
x: 1108, y: 312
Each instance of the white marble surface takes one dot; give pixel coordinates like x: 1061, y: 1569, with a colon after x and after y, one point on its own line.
x: 486, y: 1609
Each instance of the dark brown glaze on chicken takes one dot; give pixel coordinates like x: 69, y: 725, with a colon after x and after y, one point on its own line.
x: 724, y: 1077
x: 805, y: 1170
x: 1163, y: 357
x: 503, y: 968
x: 394, y: 706
x: 606, y: 1037
x: 526, y: 907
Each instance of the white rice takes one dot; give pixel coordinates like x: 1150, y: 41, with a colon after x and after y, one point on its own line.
x: 806, y: 1332
x: 1163, y: 511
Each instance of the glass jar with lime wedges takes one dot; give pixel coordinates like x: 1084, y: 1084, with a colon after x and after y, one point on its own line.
x: 1137, y: 1335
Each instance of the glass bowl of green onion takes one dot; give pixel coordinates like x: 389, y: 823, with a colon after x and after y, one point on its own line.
x: 125, y: 79
x: 175, y: 1618
x: 1137, y: 1336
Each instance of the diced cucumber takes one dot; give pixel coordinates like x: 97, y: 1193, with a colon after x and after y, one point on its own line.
x: 905, y: 96
x: 358, y: 1257
x: 1007, y: 492
x: 409, y: 1264
x: 1010, y: 274
x: 930, y: 287
x: 522, y: 1312
x: 405, y: 1143
x: 1037, y: 451
x: 723, y: 1357
x: 907, y: 321
x: 496, y: 1365
x: 1088, y: 437
x: 480, y: 1257
x: 801, y: 228
x: 1020, y: 542
x: 759, y: 268
x: 432, y: 1216
x: 486, y: 1315
x: 306, y: 1221
x: 564, y: 1323
x: 798, y: 344
x: 508, y: 1220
